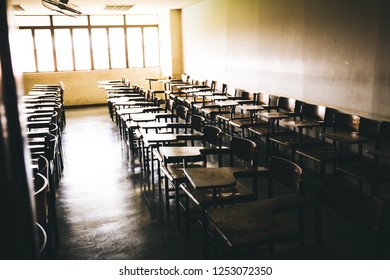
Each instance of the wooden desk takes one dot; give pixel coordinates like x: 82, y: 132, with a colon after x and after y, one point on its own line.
x: 212, y: 178
x: 273, y: 117
x: 177, y: 154
x: 251, y: 109
x: 346, y: 138
x: 380, y: 154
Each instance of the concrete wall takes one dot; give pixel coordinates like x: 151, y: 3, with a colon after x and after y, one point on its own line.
x: 331, y: 52
x: 81, y: 87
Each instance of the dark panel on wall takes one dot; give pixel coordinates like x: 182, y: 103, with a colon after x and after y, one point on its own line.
x: 17, y: 234
x: 339, y: 51
x: 381, y: 91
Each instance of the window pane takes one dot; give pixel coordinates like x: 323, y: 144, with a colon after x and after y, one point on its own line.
x: 134, y: 45
x: 151, y: 48
x: 117, y: 48
x: 32, y: 20
x: 141, y: 19
x: 100, y: 48
x: 70, y: 21
x: 81, y: 49
x: 44, y: 49
x: 107, y: 20
x: 25, y: 51
x: 63, y: 45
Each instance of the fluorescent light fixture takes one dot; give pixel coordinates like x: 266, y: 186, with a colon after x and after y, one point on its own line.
x: 62, y: 6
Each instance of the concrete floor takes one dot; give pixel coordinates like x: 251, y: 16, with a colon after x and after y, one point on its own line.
x: 103, y: 212
x: 107, y: 213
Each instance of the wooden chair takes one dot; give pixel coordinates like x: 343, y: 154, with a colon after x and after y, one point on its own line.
x: 264, y: 223
x: 373, y: 169
x: 172, y: 167
x: 243, y: 120
x: 197, y: 202
x: 344, y: 210
x: 311, y: 116
x: 343, y: 123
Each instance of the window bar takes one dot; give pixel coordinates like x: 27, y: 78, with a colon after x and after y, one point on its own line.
x: 108, y: 48
x: 126, y: 46
x: 90, y: 43
x: 143, y: 46
x: 73, y: 51
x: 35, y: 50
x: 53, y: 44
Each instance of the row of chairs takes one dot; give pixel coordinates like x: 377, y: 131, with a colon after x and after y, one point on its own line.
x: 45, y: 120
x: 237, y: 214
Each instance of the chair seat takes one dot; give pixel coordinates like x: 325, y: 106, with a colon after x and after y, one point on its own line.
x: 294, y: 140
x: 316, y: 251
x: 366, y: 171
x: 265, y: 131
x: 255, y: 223
x: 325, y: 153
x: 175, y: 172
x: 204, y: 198
x: 246, y: 122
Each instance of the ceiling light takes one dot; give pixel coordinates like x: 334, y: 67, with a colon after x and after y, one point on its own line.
x: 118, y: 7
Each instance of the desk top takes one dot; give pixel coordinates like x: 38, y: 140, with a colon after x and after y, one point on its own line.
x: 273, y: 115
x: 379, y: 153
x: 301, y: 124
x: 180, y: 152
x: 212, y: 178
x: 155, y: 138
x: 143, y: 117
x: 346, y: 137
x: 250, y: 107
x: 226, y: 103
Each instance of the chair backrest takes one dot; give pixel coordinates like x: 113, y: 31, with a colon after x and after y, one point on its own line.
x: 313, y: 112
x: 356, y: 210
x: 286, y: 172
x: 170, y: 106
x: 182, y: 113
x: 213, y: 85
x: 273, y: 100
x: 263, y: 98
x: 286, y: 104
x: 197, y: 123
x: 368, y: 127
x: 330, y: 114
x: 185, y: 78
x: 244, y: 149
x: 212, y: 135
x: 346, y: 122
x: 41, y: 185
x: 245, y: 95
x: 383, y: 141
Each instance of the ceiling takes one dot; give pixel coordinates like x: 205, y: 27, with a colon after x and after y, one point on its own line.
x: 97, y: 7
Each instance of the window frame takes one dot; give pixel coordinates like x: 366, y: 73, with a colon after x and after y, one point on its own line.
x: 90, y: 27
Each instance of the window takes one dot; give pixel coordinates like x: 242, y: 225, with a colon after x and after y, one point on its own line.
x: 82, y: 55
x: 117, y: 47
x: 151, y: 48
x: 135, y: 49
x: 44, y: 50
x: 60, y: 43
x: 100, y: 48
x: 63, y: 47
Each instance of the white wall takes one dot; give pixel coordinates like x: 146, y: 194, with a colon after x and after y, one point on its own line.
x: 331, y: 52
x: 81, y: 86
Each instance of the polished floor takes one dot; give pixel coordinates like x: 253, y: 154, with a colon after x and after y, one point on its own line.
x: 102, y: 208
x: 107, y: 212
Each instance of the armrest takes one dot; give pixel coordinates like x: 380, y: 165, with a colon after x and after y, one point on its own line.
x: 291, y: 203
x: 188, y: 137
x: 215, y: 151
x: 249, y: 173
